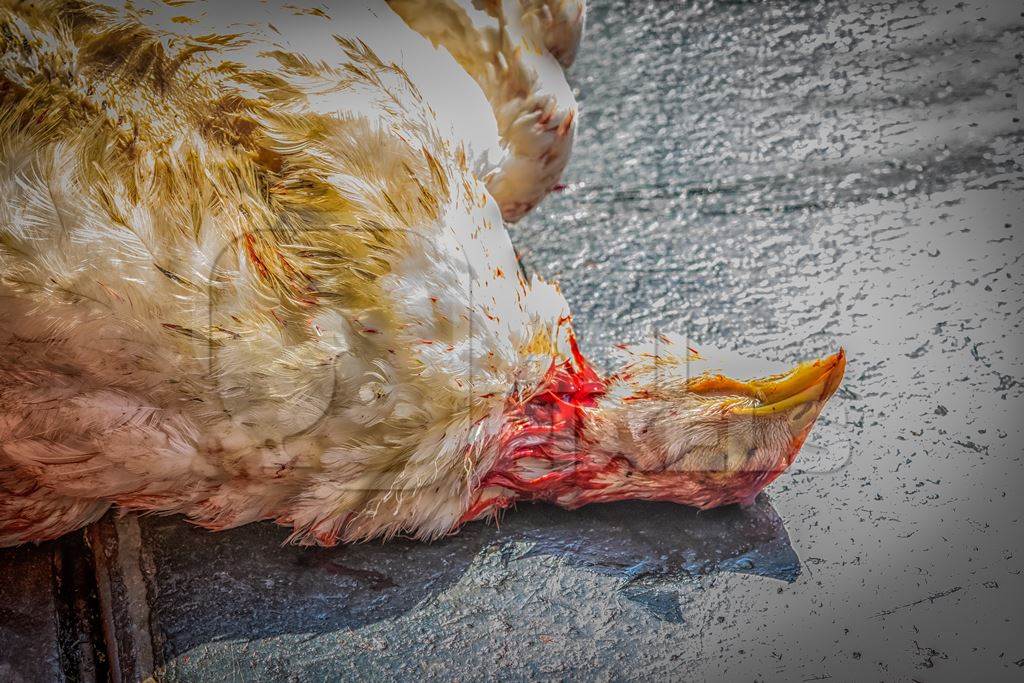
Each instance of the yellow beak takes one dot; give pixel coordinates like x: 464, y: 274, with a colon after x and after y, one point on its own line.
x: 812, y: 381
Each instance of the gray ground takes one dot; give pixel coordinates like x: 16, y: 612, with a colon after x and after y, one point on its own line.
x: 772, y: 180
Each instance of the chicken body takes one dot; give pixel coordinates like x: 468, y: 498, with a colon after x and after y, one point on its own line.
x: 253, y: 266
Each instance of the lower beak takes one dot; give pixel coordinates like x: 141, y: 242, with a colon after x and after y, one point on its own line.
x: 812, y: 381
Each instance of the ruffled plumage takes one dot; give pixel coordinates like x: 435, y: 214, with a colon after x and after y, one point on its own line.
x: 249, y: 271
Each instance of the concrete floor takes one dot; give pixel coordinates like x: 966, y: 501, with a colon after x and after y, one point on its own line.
x: 770, y: 180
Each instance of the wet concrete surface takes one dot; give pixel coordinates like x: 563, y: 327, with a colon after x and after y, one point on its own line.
x: 780, y: 179
x: 489, y: 594
x: 770, y: 180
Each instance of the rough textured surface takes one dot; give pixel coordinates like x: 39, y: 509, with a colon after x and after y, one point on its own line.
x: 773, y: 180
x: 780, y: 179
x: 50, y: 627
x: 123, y: 596
x: 548, y: 590
x: 29, y: 635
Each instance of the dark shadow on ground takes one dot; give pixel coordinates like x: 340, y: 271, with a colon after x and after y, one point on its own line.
x: 244, y: 584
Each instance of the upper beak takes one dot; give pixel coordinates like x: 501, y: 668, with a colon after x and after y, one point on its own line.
x: 812, y: 381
